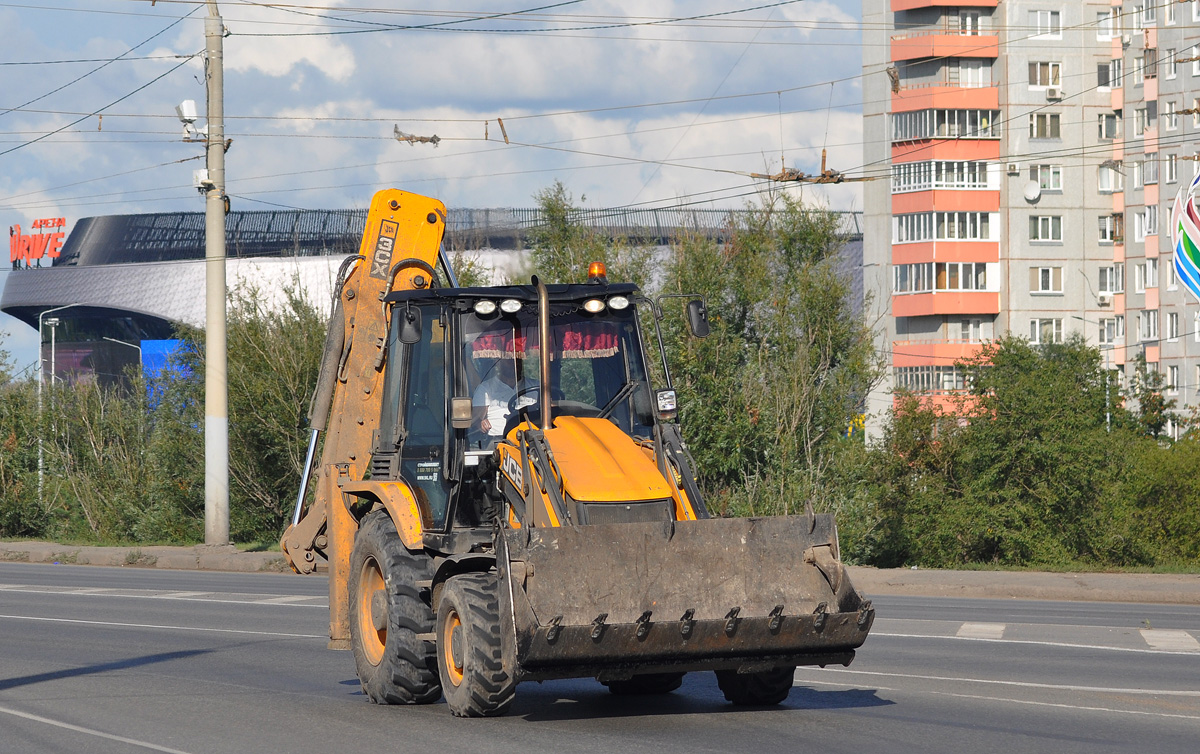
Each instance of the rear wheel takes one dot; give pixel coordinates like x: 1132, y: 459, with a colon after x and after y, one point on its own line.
x: 762, y: 689
x: 647, y: 683
x: 469, y: 654
x: 386, y: 614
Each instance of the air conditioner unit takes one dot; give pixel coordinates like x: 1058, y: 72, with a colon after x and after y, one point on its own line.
x: 1126, y: 39
x: 1013, y: 168
x: 1054, y: 92
x: 1104, y: 299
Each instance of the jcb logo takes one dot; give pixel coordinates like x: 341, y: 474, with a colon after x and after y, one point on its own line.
x: 382, y: 257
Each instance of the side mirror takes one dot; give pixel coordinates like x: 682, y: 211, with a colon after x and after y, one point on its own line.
x: 460, y: 413
x: 698, y: 318
x: 668, y: 407
x: 410, y: 326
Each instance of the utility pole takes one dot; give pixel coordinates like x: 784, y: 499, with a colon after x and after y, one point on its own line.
x: 216, y: 384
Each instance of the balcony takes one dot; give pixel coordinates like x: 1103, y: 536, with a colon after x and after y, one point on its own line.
x: 945, y: 95
x: 908, y: 353
x: 901, y: 5
x: 944, y: 44
x: 945, y: 302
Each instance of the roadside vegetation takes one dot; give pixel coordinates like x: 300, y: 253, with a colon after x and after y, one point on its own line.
x: 1044, y: 462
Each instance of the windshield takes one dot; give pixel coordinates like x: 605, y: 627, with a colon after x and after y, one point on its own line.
x: 596, y: 369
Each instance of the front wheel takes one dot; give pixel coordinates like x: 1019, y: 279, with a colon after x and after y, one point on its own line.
x: 762, y: 689
x: 386, y: 615
x: 470, y: 659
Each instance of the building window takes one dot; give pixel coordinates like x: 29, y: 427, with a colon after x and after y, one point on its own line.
x: 1042, y: 75
x: 1170, y: 14
x: 968, y: 22
x: 1150, y: 169
x: 1112, y: 278
x: 1172, y: 380
x: 1196, y: 112
x: 941, y: 226
x: 1112, y: 228
x: 1107, y: 23
x: 922, y: 176
x: 1047, y: 22
x: 1195, y: 62
x: 1145, y: 222
x: 1149, y: 13
x: 1145, y: 66
x: 1044, y: 125
x: 1145, y: 275
x: 1045, y: 228
x: 970, y: 330
x: 946, y: 124
x: 1112, y: 330
x: 1172, y: 279
x: 925, y: 277
x: 928, y: 379
x: 1144, y: 118
x: 1045, y: 280
x: 1148, y: 325
x: 1110, y: 125
x: 1170, y: 117
x: 1172, y: 65
x: 1110, y: 180
x: 1172, y: 169
x: 1047, y: 177
x: 1045, y: 331
x: 1172, y: 326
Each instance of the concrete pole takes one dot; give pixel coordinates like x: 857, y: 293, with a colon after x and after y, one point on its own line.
x: 216, y: 385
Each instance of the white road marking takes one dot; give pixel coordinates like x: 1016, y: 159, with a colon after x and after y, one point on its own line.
x: 90, y: 731
x: 1060, y: 644
x: 151, y: 594
x: 1170, y: 640
x: 1022, y: 684
x: 167, y: 628
x: 285, y: 600
x: 1066, y: 706
x: 90, y: 590
x: 981, y: 630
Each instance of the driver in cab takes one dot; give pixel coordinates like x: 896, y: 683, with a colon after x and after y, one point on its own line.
x: 492, y: 401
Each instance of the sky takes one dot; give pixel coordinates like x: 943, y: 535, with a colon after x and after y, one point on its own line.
x: 645, y: 103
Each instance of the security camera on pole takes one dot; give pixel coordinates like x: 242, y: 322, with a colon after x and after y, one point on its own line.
x: 216, y: 398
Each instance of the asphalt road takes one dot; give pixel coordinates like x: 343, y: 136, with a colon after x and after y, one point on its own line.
x: 124, y: 660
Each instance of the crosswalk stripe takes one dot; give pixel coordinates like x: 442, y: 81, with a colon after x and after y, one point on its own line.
x: 1173, y: 640
x: 982, y: 630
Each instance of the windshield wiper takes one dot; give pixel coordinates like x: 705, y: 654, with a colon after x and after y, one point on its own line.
x: 625, y: 391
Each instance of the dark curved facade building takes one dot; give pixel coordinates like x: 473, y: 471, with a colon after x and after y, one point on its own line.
x: 122, y: 281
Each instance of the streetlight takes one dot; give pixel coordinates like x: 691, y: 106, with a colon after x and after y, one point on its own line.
x: 41, y: 381
x: 131, y: 345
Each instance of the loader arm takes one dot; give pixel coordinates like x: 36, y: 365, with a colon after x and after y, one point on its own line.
x: 400, y: 246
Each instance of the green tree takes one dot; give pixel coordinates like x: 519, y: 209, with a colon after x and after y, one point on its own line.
x: 562, y: 248
x: 1153, y: 411
x: 767, y: 397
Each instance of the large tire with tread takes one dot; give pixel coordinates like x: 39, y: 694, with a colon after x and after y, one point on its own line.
x: 763, y: 689
x: 470, y: 658
x: 387, y: 612
x: 645, y: 684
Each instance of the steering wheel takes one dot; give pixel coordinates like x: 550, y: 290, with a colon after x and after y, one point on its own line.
x: 516, y: 402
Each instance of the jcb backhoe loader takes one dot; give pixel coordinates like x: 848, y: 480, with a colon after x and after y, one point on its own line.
x: 502, y: 497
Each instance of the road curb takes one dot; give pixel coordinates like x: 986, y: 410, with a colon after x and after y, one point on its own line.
x: 1157, y: 588
x: 198, y: 558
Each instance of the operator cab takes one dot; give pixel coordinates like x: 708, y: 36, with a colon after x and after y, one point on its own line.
x: 463, y: 371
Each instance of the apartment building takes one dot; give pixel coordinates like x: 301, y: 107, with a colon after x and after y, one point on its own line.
x: 1031, y: 178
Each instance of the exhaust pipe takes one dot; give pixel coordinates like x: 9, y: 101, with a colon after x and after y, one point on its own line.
x: 544, y: 358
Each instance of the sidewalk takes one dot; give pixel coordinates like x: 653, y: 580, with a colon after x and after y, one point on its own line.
x: 1183, y: 589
